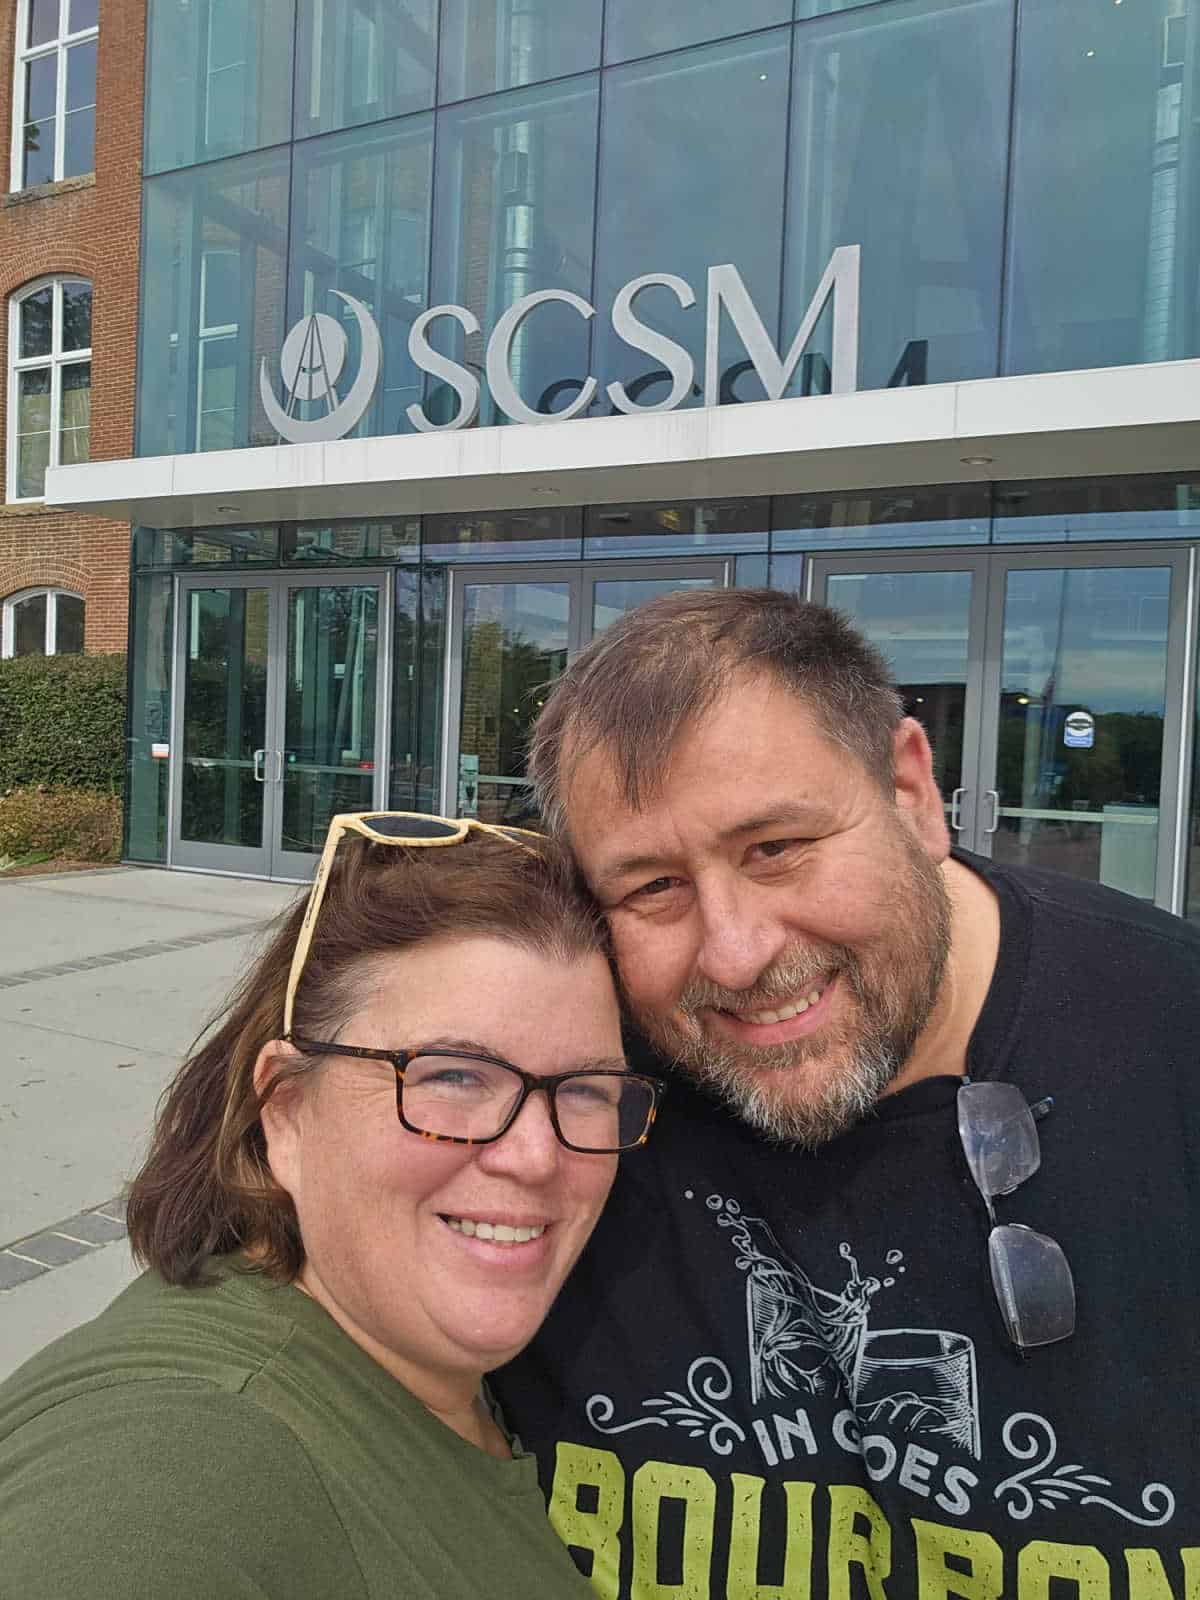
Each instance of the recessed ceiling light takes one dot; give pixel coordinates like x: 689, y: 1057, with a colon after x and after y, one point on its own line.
x: 543, y: 488
x: 976, y: 461
x: 227, y: 511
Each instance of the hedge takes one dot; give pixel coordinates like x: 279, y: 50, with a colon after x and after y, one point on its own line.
x: 71, y: 824
x: 62, y: 722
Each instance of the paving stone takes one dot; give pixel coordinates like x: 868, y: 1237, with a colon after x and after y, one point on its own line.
x: 92, y: 1227
x: 52, y: 1250
x: 14, y: 1271
x: 112, y: 1208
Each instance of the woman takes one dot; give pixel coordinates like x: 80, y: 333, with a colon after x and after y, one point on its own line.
x: 364, y: 1192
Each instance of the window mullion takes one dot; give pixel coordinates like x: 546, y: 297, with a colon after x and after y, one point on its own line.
x: 55, y: 413
x: 51, y: 622
x: 60, y: 112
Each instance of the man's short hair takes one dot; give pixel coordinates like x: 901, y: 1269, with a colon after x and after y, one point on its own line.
x: 653, y: 674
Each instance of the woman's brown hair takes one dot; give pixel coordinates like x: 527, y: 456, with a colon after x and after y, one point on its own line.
x: 206, y: 1188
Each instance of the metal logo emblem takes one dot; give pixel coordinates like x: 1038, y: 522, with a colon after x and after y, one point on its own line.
x: 310, y: 365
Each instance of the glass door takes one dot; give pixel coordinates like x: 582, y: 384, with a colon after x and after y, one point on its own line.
x: 330, y: 711
x: 1042, y: 680
x: 926, y: 614
x: 511, y: 635
x: 223, y: 805
x: 1080, y: 744
x: 280, y: 710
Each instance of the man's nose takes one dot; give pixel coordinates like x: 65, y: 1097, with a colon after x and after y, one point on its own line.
x: 529, y: 1149
x: 742, y: 934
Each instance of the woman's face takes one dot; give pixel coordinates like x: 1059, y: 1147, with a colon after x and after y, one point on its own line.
x: 376, y: 1203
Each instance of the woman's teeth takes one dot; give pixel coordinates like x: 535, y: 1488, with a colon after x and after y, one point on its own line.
x: 497, y: 1232
x: 792, y: 1009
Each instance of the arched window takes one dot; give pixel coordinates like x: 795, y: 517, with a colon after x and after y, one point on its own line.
x: 50, y: 381
x: 42, y: 622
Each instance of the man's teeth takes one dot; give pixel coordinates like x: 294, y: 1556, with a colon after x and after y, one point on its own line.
x: 497, y: 1232
x: 792, y: 1009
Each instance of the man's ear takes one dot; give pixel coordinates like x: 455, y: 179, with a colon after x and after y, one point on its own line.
x: 282, y: 1113
x: 917, y: 794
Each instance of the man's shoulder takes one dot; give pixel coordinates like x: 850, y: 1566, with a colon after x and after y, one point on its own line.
x: 1083, y: 910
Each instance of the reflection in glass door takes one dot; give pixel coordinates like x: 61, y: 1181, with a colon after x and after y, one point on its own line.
x: 279, y: 711
x: 223, y: 804
x: 511, y: 636
x: 1042, y: 681
x: 1079, y: 718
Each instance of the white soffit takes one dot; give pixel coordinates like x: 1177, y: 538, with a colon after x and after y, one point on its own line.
x: 1048, y: 425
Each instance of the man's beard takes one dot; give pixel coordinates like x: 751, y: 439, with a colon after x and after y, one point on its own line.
x: 781, y: 1090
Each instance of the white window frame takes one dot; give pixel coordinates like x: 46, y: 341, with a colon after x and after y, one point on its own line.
x: 56, y: 361
x: 22, y: 56
x: 8, y: 617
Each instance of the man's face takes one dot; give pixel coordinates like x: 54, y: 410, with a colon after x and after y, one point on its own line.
x: 780, y: 923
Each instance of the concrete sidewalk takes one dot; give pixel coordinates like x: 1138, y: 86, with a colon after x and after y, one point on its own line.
x: 106, y: 978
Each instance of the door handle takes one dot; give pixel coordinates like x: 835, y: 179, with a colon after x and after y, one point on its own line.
x: 258, y: 766
x: 279, y: 766
x: 993, y: 796
x: 956, y: 800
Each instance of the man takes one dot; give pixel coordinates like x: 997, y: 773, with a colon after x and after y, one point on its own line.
x: 798, y: 1360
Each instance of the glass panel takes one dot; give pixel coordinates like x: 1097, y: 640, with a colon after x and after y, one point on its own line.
x: 406, y: 689
x: 899, y: 130
x: 360, y: 224
x: 504, y: 536
x: 76, y: 314
x: 1103, y: 130
x: 787, y: 573
x: 79, y: 147
x: 714, y: 527
x: 363, y: 61
x: 1082, y: 697
x: 1095, y: 508
x: 329, y: 733
x: 325, y: 544
x: 68, y: 625
x: 37, y: 322
x: 81, y: 76
x: 37, y: 164
x: 514, y: 644
x: 218, y: 78
x: 76, y: 417
x: 515, y: 183
x: 43, y: 21
x: 612, y: 598
x: 149, y: 718
x: 237, y: 212
x: 41, y: 87
x: 33, y: 432
x: 665, y: 156
x: 751, y: 572
x: 224, y: 715
x: 160, y: 547
x: 503, y: 44
x: 29, y: 626
x: 882, y: 518
x: 84, y: 14
x: 646, y: 27
x: 921, y: 623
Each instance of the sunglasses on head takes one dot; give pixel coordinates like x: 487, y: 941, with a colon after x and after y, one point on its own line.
x: 412, y: 830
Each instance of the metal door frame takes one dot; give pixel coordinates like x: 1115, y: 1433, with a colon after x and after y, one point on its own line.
x: 1168, y: 886
x: 265, y: 861
x: 819, y: 569
x: 581, y: 578
x: 990, y: 565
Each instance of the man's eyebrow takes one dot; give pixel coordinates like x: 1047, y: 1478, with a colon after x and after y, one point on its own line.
x: 797, y: 814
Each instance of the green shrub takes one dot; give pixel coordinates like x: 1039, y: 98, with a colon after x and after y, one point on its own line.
x: 73, y: 824
x: 62, y: 722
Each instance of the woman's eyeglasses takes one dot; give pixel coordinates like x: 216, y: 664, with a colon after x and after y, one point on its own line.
x: 457, y: 1098
x: 412, y: 830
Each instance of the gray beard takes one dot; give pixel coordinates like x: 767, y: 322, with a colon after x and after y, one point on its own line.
x: 892, y: 1009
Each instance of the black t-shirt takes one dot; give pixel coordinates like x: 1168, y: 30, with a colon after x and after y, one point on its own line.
x: 780, y: 1374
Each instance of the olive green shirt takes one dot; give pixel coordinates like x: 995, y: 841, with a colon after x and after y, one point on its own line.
x: 232, y: 1443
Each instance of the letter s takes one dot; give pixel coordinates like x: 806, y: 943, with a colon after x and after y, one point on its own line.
x: 464, y: 383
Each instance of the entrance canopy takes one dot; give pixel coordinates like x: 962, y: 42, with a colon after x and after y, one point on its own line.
x: 1099, y: 422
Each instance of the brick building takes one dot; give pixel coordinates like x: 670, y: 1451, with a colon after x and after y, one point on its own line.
x: 71, y: 106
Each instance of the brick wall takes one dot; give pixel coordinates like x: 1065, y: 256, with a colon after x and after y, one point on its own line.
x: 88, y: 226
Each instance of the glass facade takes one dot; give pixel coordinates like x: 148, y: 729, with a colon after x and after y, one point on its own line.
x: 413, y: 154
